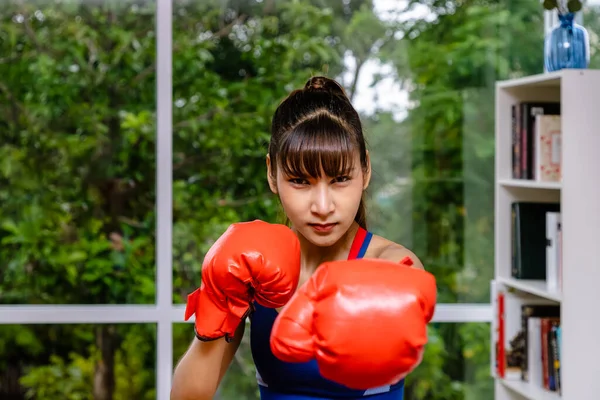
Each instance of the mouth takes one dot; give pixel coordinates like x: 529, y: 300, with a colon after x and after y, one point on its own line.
x: 322, y: 227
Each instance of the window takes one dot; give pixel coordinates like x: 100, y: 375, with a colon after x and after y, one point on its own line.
x: 590, y: 18
x: 37, y: 360
x: 134, y: 133
x: 77, y: 199
x: 78, y: 138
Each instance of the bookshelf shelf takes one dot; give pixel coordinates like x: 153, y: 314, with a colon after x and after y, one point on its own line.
x: 544, y: 312
x: 552, y: 79
x: 530, y: 286
x: 529, y: 184
x: 528, y: 391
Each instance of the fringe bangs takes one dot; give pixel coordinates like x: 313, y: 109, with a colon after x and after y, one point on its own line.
x: 319, y: 145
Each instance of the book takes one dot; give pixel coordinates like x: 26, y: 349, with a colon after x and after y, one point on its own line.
x: 553, y: 279
x: 523, y: 126
x: 528, y: 239
x: 547, y: 144
x: 529, y: 311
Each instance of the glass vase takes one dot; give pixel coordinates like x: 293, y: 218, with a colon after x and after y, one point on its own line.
x: 567, y: 45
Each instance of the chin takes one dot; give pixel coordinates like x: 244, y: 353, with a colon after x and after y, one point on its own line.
x: 323, y: 240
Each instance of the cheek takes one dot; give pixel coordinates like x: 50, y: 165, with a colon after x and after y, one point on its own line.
x: 291, y: 200
x: 350, y: 198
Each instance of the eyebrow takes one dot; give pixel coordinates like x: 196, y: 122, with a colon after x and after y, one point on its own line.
x: 347, y: 171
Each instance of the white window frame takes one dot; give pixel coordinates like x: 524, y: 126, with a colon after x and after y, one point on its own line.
x: 164, y: 313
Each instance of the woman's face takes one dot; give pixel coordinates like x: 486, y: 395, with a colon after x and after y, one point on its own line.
x: 321, y: 209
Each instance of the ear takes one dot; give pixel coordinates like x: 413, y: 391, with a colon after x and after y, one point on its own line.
x: 367, y: 173
x: 272, y: 182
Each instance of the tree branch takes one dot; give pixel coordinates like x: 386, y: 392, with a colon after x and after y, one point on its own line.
x: 224, y: 31
x: 144, y: 73
x: 359, y: 64
x: 29, y: 29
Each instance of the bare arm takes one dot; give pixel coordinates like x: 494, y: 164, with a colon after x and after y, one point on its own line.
x: 200, y: 370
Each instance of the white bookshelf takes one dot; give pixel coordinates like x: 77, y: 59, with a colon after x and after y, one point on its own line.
x: 579, y: 196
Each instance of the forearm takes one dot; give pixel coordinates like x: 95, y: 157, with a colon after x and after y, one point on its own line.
x: 201, y: 369
x: 197, y: 374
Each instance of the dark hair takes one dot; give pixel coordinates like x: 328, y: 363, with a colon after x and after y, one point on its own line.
x: 316, y: 129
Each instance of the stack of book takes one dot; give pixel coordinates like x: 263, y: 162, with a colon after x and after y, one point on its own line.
x: 536, y: 243
x: 536, y: 141
x: 528, y: 349
x: 528, y: 338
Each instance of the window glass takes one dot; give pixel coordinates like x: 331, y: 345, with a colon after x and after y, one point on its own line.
x: 77, y: 152
x: 78, y: 362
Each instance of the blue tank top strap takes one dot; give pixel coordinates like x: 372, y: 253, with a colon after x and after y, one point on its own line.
x: 365, y: 245
x: 359, y: 246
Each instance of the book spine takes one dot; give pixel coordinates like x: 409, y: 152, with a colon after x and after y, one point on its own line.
x: 552, y: 280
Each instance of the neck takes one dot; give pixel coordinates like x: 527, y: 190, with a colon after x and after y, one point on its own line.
x: 313, y: 256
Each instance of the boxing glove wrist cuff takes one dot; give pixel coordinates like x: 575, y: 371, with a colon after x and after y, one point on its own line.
x: 228, y: 338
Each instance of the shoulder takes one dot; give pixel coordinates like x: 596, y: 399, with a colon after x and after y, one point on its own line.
x: 384, y: 249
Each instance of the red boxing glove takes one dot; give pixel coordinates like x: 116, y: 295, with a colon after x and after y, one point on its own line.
x: 365, y: 321
x: 250, y: 261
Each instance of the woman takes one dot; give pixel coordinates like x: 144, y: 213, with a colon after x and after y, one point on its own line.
x: 319, y: 167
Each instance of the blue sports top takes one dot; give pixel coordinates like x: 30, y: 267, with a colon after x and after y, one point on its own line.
x: 278, y: 380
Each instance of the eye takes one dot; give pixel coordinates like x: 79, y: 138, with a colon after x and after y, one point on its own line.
x: 342, y: 179
x: 298, y: 181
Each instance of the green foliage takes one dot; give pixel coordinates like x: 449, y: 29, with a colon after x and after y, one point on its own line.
x: 67, y: 380
x: 72, y: 377
x: 430, y: 380
x: 77, y: 224
x: 563, y: 6
x: 222, y: 122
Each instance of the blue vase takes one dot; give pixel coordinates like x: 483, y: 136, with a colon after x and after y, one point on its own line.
x: 567, y: 45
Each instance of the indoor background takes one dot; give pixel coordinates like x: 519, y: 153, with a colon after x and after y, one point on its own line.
x: 132, y: 133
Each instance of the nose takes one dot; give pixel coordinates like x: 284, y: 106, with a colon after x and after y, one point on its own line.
x: 322, y: 202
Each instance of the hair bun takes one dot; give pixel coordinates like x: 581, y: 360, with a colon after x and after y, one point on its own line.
x: 321, y: 83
